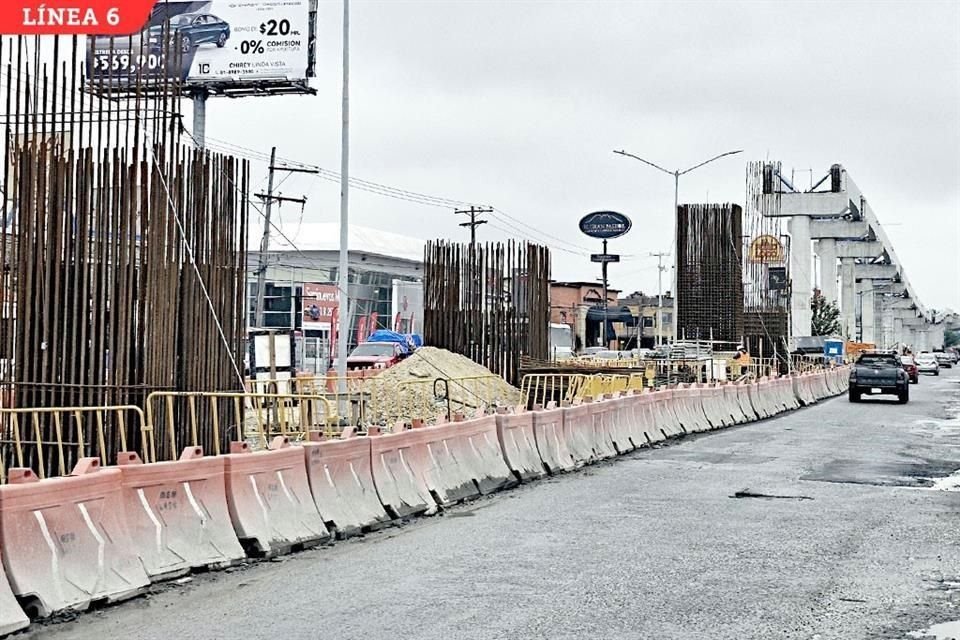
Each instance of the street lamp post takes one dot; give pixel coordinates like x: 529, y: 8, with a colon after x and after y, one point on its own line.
x: 676, y: 218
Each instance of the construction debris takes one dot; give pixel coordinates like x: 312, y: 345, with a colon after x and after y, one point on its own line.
x: 417, y: 388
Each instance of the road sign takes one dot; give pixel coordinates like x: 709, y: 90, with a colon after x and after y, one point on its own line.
x: 604, y: 257
x: 605, y: 224
x: 777, y: 278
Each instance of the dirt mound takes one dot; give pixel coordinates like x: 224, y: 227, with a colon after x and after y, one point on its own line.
x: 406, y: 391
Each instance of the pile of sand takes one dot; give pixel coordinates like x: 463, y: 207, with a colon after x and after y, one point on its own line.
x: 406, y: 391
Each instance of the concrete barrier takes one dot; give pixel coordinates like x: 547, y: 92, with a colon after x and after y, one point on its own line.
x: 667, y: 411
x: 821, y: 390
x: 620, y: 423
x: 578, y: 428
x: 177, y: 515
x: 762, y: 396
x: 720, y: 400
x: 519, y: 445
x: 733, y: 403
x: 402, y: 490
x: 341, y: 483
x: 12, y: 617
x: 802, y: 390
x: 65, y: 543
x: 601, y: 414
x: 635, y: 422
x: 746, y: 404
x: 441, y: 459
x: 646, y: 430
x: 783, y: 392
x: 551, y: 440
x: 480, y: 447
x: 269, y: 497
x: 691, y: 410
x: 831, y: 378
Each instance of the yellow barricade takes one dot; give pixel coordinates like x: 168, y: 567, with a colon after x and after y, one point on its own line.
x: 355, y: 399
x: 271, y: 414
x: 51, y: 439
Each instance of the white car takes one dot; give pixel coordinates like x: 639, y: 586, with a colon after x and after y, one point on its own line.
x: 927, y: 363
x: 945, y: 360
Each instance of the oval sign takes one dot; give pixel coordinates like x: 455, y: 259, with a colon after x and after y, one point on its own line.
x: 605, y: 224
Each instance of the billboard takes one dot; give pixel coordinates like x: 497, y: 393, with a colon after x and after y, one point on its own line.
x: 320, y: 305
x: 211, y: 44
x: 406, y: 306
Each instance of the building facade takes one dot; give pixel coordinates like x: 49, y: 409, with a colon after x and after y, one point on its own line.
x: 301, y: 288
x: 579, y: 305
x: 650, y: 331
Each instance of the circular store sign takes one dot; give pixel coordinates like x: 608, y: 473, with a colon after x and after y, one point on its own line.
x: 605, y: 224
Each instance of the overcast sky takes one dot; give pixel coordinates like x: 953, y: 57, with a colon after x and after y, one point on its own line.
x: 520, y: 104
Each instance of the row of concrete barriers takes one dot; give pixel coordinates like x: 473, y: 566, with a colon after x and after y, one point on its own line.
x: 104, y: 534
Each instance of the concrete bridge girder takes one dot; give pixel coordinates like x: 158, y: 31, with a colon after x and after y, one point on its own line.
x: 863, y: 250
x: 838, y: 229
x: 877, y: 271
x: 889, y: 288
x: 819, y: 205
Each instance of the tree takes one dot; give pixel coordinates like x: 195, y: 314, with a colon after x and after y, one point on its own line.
x: 951, y: 338
x: 826, y: 316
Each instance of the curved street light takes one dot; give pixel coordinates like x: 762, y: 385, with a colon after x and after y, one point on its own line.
x: 676, y: 193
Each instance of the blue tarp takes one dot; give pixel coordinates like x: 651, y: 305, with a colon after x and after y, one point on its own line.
x: 415, y: 339
x: 385, y: 335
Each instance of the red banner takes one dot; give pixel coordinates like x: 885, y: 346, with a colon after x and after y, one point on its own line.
x: 68, y: 17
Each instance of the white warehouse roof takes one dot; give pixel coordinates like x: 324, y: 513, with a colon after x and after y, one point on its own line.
x: 325, y: 236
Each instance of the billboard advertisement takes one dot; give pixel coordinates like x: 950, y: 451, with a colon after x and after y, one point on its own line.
x: 214, y: 44
x: 406, y: 306
x: 320, y: 304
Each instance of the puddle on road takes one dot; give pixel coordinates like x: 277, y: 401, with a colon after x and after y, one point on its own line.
x: 950, y: 483
x: 942, y: 631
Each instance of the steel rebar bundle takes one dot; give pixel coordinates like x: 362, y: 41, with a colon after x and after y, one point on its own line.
x: 123, y: 247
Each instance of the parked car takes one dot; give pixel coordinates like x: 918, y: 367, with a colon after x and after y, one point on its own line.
x: 378, y: 355
x: 193, y: 29
x: 878, y: 373
x: 910, y: 366
x: 927, y: 363
x: 945, y: 360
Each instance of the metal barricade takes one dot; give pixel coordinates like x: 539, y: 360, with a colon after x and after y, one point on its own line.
x: 259, y: 416
x: 355, y: 400
x: 539, y: 389
x: 53, y: 439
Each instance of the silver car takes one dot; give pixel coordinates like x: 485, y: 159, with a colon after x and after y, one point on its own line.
x: 927, y: 363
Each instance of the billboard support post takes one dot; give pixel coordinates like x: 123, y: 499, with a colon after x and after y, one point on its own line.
x: 199, y: 98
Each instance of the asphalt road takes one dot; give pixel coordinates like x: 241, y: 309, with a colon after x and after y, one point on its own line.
x: 652, y: 546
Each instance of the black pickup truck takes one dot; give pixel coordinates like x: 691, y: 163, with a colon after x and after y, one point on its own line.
x: 879, y: 373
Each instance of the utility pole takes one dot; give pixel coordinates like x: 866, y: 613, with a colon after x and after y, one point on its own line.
x: 473, y: 212
x: 343, y: 270
x: 268, y: 198
x: 660, y: 269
